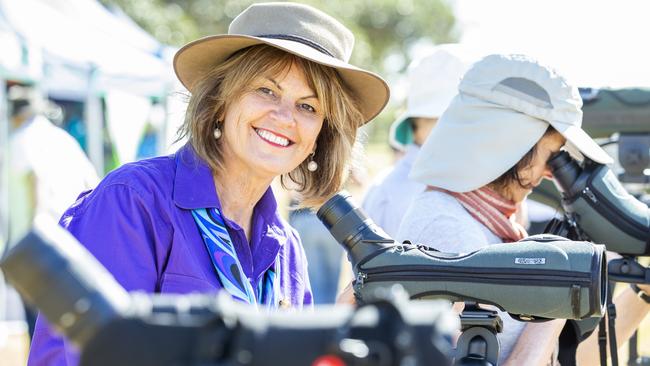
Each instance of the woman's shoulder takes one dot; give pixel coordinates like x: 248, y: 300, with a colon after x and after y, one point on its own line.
x: 144, y: 181
x: 143, y: 175
x: 437, y: 219
x: 436, y: 204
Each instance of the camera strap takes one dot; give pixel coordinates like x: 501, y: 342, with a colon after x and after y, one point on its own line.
x: 611, y: 321
x: 608, y: 325
x: 602, y: 341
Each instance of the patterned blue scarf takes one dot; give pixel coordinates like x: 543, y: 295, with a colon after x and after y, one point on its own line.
x: 229, y: 269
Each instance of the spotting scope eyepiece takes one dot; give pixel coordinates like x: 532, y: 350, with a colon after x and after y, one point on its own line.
x: 601, y: 207
x: 351, y: 227
x: 539, y: 277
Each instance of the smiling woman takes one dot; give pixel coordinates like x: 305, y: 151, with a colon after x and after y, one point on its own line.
x: 270, y: 99
x: 281, y: 97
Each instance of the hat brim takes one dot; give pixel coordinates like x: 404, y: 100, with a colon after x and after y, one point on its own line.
x: 196, y: 58
x: 473, y: 144
x: 583, y: 142
x: 400, y: 133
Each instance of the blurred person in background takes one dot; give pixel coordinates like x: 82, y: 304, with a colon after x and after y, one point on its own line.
x: 432, y: 84
x: 47, y: 168
x: 148, y: 146
x: 273, y: 98
x: 323, y: 253
x: 486, y: 154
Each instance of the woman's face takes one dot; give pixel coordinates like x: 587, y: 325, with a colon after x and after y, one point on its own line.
x: 271, y: 129
x: 532, y: 175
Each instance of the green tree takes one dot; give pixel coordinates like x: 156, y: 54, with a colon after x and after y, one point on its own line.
x: 385, y: 30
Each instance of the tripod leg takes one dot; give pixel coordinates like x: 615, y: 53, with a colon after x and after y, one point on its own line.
x: 633, y: 349
x: 634, y: 359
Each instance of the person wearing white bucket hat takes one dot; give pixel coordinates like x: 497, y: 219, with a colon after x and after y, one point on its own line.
x: 488, y: 151
x: 432, y: 84
x: 275, y: 97
x: 504, y: 107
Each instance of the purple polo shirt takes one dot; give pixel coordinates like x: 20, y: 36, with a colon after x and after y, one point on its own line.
x: 138, y: 223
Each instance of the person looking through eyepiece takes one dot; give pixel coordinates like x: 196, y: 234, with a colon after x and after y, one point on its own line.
x: 488, y: 151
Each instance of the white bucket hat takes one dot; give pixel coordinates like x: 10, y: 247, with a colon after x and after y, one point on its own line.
x: 432, y: 84
x: 295, y: 28
x: 504, y: 106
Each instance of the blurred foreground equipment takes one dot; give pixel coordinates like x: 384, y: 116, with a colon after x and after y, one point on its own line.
x: 112, y: 327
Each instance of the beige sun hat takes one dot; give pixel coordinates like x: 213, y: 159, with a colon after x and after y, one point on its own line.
x: 504, y: 105
x: 295, y: 28
x: 432, y: 84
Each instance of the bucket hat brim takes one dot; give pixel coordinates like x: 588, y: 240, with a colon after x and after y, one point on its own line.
x: 400, y: 133
x: 199, y: 57
x: 522, y: 84
x: 577, y: 137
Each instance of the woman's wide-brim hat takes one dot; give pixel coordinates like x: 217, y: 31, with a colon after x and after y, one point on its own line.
x: 504, y: 105
x: 295, y: 28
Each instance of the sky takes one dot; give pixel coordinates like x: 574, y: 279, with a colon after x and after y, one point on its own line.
x: 597, y: 43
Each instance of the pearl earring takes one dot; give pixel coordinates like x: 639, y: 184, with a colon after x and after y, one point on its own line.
x: 312, y: 165
x: 217, y: 132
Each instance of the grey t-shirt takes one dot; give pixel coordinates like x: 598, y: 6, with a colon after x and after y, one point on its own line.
x: 438, y: 220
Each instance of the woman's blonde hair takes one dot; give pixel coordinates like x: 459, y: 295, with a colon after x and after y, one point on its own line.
x: 232, y: 79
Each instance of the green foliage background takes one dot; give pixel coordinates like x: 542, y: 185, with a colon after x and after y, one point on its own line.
x: 383, y: 29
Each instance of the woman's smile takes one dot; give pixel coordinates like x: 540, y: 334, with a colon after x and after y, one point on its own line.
x: 273, y: 127
x: 273, y: 138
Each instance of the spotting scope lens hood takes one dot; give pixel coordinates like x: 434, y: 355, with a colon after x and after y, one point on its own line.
x: 539, y: 277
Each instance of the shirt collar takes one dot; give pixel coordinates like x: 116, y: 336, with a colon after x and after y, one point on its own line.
x: 193, y: 183
x: 267, y: 206
x: 194, y: 186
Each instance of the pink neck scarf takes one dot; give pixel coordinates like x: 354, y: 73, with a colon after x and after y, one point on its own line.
x: 491, y: 210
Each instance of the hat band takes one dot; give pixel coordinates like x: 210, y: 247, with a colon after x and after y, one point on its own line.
x: 298, y: 39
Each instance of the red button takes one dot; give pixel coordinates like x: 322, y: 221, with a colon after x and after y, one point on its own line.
x: 328, y: 360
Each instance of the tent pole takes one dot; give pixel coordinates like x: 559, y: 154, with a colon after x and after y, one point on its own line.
x: 94, y: 124
x: 4, y: 165
x: 161, y: 145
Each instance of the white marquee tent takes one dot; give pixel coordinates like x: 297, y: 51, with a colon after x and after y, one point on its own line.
x: 78, y: 50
